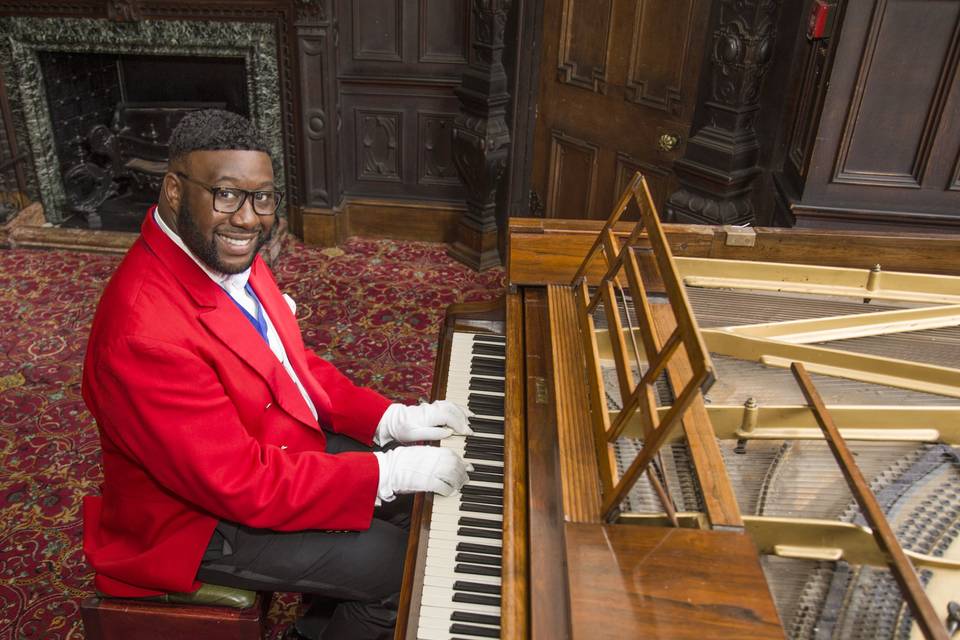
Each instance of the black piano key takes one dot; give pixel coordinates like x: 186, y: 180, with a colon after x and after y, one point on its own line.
x: 478, y: 533
x: 487, y: 349
x: 483, y: 455
x: 489, y: 447
x: 473, y: 547
x: 476, y: 587
x: 484, y: 429
x: 487, y: 369
x: 469, y: 507
x: 481, y: 447
x: 488, y: 468
x: 466, y: 521
x: 490, y: 337
x: 476, y: 569
x: 472, y: 598
x: 485, y: 477
x: 481, y: 439
x: 485, y: 384
x: 471, y: 630
x: 493, y: 362
x: 483, y: 397
x: 484, y: 407
x: 492, y: 446
x: 481, y: 366
x: 472, y: 490
x: 476, y: 558
x: 495, y: 501
x: 478, y: 618
x: 485, y: 422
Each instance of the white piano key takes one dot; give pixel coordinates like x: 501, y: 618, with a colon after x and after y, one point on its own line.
x: 447, y: 582
x: 439, y: 576
x: 433, y: 596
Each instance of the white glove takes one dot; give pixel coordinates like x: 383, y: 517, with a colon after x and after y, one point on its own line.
x: 412, y: 469
x: 426, y: 421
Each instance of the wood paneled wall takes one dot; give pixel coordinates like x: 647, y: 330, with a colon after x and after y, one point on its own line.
x: 875, y: 139
x: 398, y: 63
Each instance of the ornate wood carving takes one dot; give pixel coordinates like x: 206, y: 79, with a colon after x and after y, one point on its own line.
x: 436, y: 156
x: 315, y: 116
x: 124, y: 10
x: 378, y: 145
x: 658, y: 83
x: 720, y: 161
x: 311, y: 11
x: 481, y: 139
x: 585, y: 44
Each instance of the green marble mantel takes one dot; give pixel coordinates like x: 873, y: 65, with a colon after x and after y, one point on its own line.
x: 23, y: 38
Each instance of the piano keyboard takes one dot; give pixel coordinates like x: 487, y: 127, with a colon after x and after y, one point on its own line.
x: 461, y: 584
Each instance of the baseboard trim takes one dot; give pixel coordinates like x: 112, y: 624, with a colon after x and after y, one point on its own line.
x: 375, y: 218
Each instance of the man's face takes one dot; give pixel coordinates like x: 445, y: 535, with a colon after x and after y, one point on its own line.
x: 226, y: 242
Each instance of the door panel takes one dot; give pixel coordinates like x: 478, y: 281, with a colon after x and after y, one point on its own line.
x: 615, y: 76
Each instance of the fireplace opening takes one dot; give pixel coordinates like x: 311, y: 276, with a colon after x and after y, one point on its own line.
x: 112, y: 116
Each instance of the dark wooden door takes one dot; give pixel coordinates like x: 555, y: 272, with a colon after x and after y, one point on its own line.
x: 615, y: 77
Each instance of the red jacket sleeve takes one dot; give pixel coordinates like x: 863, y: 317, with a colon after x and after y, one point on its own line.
x: 181, y: 426
x: 354, y: 411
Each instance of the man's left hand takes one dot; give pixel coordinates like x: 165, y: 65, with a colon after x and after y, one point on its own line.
x: 426, y: 421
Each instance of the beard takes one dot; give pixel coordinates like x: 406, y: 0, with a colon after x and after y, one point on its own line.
x: 206, y: 250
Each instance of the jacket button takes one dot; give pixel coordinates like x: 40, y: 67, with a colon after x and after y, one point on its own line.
x: 269, y: 404
x: 283, y: 446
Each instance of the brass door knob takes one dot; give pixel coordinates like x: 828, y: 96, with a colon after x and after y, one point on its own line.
x: 668, y: 142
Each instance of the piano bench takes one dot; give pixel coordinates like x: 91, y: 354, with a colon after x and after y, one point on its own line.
x: 212, y: 613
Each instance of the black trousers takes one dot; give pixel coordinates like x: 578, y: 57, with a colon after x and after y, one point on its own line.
x: 355, y: 575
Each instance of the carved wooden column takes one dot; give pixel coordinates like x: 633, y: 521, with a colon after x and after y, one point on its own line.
x: 720, y: 162
x: 481, y: 139
x: 320, y: 218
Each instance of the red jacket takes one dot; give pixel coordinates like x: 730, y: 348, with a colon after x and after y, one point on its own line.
x: 199, y: 421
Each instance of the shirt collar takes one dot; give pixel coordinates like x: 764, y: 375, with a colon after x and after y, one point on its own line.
x: 230, y: 282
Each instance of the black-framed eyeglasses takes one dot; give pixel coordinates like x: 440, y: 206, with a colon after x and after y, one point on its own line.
x: 230, y: 199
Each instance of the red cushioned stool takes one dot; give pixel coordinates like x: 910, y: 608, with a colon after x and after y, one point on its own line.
x: 210, y: 613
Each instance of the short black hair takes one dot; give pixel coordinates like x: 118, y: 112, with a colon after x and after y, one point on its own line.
x: 214, y: 130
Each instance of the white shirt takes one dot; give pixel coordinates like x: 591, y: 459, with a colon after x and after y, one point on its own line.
x: 235, y: 286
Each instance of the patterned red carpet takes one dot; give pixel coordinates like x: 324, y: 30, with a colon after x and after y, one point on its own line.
x: 371, y: 307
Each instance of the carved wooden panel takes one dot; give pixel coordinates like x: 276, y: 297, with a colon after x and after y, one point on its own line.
x: 801, y: 134
x: 660, y: 45
x: 379, y: 144
x: 315, y: 121
x: 572, y: 180
x: 435, y: 161
x: 378, y: 30
x: 897, y: 105
x: 658, y: 179
x: 585, y: 43
x: 443, y: 32
x: 398, y: 142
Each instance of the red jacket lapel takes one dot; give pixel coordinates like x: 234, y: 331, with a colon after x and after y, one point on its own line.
x: 226, y: 322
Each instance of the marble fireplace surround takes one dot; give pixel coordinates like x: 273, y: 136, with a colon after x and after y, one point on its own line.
x: 23, y: 38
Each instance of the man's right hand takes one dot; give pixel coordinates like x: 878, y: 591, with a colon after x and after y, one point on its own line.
x: 413, y: 469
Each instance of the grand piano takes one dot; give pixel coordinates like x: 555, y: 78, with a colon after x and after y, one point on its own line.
x: 700, y: 432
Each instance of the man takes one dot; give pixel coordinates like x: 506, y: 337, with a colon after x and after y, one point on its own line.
x: 231, y: 453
